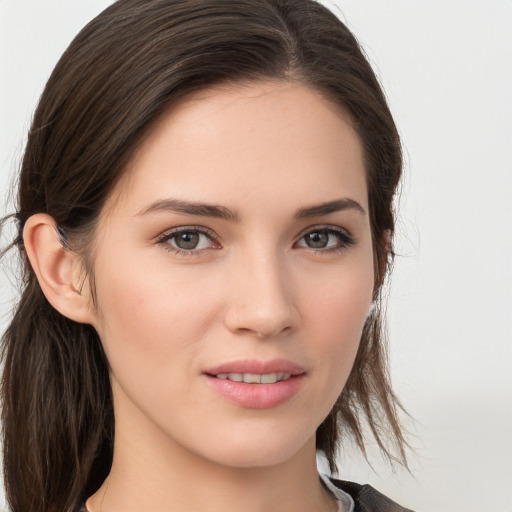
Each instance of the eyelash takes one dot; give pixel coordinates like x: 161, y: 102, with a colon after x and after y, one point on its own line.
x: 166, y: 237
x: 345, y: 239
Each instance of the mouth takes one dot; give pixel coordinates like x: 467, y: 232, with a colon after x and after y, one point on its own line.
x: 254, y: 378
x: 253, y: 371
x: 257, y: 384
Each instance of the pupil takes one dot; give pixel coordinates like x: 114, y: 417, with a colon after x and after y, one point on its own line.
x: 317, y: 240
x: 187, y: 240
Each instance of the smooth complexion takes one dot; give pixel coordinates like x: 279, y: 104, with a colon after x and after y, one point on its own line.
x: 238, y: 239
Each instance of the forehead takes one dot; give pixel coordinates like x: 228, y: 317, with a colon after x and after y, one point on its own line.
x: 248, y: 143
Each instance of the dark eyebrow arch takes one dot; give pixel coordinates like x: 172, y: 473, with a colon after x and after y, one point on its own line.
x: 329, y: 207
x: 190, y: 208
x: 221, y: 212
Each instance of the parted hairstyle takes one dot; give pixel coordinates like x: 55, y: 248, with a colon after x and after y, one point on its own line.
x: 116, y: 79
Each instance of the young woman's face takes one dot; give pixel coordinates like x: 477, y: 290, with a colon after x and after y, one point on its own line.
x: 236, y: 247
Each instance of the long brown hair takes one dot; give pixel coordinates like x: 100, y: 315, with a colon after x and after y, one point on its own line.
x: 121, y: 72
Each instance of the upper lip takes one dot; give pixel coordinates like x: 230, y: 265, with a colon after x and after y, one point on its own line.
x: 257, y: 367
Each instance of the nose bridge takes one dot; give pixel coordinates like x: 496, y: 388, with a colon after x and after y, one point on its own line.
x: 263, y: 300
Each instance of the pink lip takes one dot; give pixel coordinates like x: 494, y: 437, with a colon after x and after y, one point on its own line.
x: 256, y: 396
x: 257, y: 367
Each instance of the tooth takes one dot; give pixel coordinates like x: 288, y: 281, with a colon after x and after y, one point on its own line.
x: 269, y: 378
x: 252, y: 378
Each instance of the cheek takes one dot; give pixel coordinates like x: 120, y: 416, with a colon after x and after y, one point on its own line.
x: 336, y: 317
x: 147, y: 320
x: 342, y: 328
x: 339, y: 299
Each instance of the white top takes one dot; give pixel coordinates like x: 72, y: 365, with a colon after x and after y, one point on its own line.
x: 345, y: 501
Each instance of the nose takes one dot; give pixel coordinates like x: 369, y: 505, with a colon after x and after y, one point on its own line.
x: 262, y: 301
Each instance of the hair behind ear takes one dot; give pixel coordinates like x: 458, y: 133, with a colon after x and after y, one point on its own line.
x: 367, y: 398
x: 55, y: 394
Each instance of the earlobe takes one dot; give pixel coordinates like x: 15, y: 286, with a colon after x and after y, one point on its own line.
x: 56, y: 268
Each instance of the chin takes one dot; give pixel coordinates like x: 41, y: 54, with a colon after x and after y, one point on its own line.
x: 259, y: 449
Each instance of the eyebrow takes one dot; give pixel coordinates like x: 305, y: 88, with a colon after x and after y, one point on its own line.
x: 221, y: 212
x: 191, y: 208
x: 330, y: 207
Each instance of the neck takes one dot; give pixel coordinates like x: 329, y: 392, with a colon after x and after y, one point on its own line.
x: 152, y: 470
x: 168, y: 478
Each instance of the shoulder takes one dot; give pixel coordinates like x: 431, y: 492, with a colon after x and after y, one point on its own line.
x: 368, y: 499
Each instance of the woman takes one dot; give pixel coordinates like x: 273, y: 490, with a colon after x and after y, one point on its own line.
x: 205, y: 214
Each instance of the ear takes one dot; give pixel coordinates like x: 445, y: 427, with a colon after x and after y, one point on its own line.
x: 381, y: 263
x: 57, y: 269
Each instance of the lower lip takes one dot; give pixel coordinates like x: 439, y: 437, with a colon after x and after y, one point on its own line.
x: 256, y: 396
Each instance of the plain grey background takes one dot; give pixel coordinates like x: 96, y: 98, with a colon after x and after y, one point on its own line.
x: 446, y: 67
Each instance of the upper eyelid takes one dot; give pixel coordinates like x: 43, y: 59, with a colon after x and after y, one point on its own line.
x: 164, y: 239
x: 168, y: 233
x: 325, y: 227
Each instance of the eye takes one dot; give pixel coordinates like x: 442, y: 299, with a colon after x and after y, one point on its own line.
x: 188, y: 240
x: 326, y: 239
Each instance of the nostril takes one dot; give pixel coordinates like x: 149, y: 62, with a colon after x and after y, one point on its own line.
x: 263, y: 306
x: 275, y: 333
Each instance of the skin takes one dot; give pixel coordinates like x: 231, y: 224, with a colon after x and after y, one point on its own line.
x: 255, y: 289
